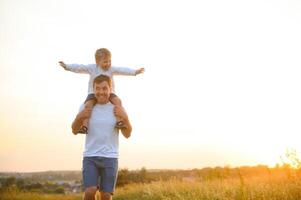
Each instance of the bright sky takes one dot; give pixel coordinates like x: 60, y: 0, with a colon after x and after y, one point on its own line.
x: 221, y: 87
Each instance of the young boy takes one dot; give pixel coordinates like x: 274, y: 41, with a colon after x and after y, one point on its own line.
x: 102, y: 66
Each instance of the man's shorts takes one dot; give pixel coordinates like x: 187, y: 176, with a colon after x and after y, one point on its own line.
x: 100, y: 172
x: 92, y: 96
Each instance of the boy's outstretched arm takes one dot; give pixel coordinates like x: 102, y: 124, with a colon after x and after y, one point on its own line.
x: 63, y: 65
x: 127, y: 71
x: 140, y: 71
x: 77, y: 68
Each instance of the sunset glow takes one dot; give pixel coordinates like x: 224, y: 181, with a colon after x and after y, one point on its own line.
x: 221, y: 85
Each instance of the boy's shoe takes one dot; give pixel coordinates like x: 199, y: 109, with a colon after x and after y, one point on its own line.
x: 119, y: 125
x: 83, y: 130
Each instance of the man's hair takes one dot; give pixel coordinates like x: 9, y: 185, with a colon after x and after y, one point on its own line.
x: 102, y: 53
x: 102, y: 78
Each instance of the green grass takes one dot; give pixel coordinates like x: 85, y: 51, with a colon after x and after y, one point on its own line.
x: 256, y: 188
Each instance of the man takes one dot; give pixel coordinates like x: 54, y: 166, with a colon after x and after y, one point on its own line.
x: 100, y: 162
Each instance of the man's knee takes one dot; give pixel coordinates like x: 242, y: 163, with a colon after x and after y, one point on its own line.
x: 90, y: 193
x: 106, y: 196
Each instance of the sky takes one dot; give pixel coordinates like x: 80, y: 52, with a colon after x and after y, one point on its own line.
x: 221, y: 85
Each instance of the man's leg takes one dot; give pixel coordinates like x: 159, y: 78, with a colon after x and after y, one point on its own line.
x: 90, y: 193
x: 90, y: 178
x: 108, y: 177
x: 106, y: 196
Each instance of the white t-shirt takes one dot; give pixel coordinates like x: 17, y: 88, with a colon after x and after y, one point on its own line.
x: 102, y: 138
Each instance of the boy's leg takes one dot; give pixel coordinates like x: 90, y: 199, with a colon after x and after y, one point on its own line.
x: 114, y: 99
x: 88, y: 105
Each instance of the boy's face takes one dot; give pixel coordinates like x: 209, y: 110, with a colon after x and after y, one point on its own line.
x: 102, y: 92
x: 104, y: 63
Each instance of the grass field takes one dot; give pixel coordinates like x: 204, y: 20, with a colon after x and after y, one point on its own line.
x: 252, y: 188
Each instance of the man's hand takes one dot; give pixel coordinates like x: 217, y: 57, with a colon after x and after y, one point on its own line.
x: 78, y: 121
x: 85, y: 114
x: 140, y: 71
x: 120, y: 112
x: 63, y: 65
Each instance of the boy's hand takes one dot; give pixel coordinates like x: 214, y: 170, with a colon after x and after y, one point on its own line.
x: 140, y: 71
x: 62, y: 64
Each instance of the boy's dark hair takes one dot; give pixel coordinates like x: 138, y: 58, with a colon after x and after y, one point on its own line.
x: 102, y: 78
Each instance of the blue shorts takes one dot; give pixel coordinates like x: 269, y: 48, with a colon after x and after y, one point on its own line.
x: 100, y: 172
x: 92, y: 96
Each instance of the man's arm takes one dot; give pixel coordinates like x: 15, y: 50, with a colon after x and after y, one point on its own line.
x: 120, y: 112
x: 78, y: 121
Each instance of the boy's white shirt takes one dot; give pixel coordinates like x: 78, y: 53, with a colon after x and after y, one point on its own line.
x: 94, y: 70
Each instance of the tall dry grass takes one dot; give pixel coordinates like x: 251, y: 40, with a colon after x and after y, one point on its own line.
x: 255, y: 188
x: 15, y: 194
x: 269, y: 187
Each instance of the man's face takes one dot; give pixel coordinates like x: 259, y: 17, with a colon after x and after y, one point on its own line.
x: 102, y: 92
x: 104, y: 63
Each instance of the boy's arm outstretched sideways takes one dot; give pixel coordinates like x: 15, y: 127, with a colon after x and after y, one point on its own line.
x: 127, y: 71
x: 77, y: 68
x: 140, y: 71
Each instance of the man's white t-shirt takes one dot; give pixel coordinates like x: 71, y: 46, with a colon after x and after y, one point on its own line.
x: 102, y: 138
